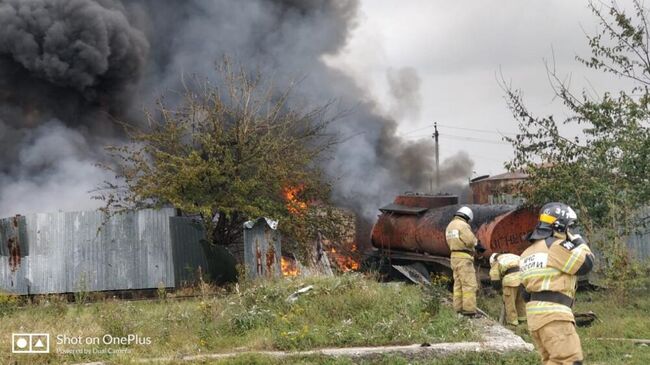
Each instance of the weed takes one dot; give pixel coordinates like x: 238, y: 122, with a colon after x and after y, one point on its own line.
x: 347, y: 310
x: 53, y: 305
x: 161, y: 291
x: 8, y: 304
x: 81, y: 290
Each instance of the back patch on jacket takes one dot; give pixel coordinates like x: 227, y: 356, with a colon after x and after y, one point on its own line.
x: 453, y: 233
x: 534, y: 261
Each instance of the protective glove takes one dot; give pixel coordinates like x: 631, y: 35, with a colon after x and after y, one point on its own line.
x: 576, y: 239
x: 479, y: 248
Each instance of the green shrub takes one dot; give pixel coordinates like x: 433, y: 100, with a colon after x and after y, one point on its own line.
x: 8, y: 304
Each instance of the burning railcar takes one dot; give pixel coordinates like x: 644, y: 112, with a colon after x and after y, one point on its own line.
x: 411, y: 230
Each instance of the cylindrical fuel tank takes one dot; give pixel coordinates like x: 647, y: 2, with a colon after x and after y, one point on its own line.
x: 426, y: 200
x: 500, y: 228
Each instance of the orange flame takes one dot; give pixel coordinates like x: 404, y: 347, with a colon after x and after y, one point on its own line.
x: 345, y: 262
x: 294, y: 205
x: 289, y: 267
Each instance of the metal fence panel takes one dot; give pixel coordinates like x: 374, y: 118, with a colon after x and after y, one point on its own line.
x: 639, y: 242
x: 68, y: 252
x: 262, y: 252
x: 186, y: 236
x: 13, y: 249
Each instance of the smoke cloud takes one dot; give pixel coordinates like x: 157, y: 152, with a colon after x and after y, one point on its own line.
x: 70, y: 67
x: 404, y: 88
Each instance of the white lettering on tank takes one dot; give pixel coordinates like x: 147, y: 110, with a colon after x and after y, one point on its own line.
x: 534, y: 261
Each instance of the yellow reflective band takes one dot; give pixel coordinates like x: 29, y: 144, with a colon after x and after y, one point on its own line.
x: 538, y: 273
x: 546, y: 283
x: 572, y: 260
x: 546, y: 307
x: 468, y: 294
x: 512, y: 279
x: 458, y: 294
x: 545, y: 218
x: 462, y: 255
x: 548, y: 310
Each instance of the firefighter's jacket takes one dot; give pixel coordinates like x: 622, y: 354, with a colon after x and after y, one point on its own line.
x: 552, y: 265
x: 505, y: 269
x: 460, y: 239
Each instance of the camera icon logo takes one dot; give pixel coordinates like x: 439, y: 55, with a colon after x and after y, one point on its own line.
x: 30, y: 343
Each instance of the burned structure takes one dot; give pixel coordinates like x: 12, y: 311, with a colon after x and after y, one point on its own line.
x: 497, y: 189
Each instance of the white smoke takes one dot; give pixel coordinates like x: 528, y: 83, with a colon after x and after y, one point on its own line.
x: 56, y: 172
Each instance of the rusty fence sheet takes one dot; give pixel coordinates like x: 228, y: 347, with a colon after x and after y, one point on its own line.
x: 262, y: 250
x: 76, y: 251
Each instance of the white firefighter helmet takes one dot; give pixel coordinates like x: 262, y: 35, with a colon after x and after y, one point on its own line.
x: 493, y: 258
x: 465, y: 212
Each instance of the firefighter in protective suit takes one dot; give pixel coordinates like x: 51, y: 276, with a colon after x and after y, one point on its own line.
x: 504, y: 274
x: 549, y: 273
x: 463, y: 245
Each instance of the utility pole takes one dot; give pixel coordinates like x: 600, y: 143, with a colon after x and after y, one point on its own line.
x: 435, y: 138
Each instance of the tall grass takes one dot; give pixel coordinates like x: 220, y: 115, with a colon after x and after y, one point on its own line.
x: 347, y: 310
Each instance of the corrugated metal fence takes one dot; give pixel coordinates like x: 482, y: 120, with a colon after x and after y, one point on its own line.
x: 69, y: 252
x: 639, y: 243
x: 186, y: 235
x: 262, y: 250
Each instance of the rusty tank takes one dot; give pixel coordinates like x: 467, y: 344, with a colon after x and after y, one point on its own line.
x: 416, y: 223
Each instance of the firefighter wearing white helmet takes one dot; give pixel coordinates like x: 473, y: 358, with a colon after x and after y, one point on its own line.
x: 504, y: 274
x: 463, y: 245
x: 549, y: 274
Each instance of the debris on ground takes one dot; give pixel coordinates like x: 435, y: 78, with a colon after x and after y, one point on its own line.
x: 585, y: 319
x: 293, y: 297
x: 412, y: 274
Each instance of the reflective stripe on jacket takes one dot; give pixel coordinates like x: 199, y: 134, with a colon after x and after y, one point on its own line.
x: 498, y: 270
x: 551, y: 265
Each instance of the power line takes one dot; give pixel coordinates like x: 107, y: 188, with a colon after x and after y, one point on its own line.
x: 464, y: 129
x: 481, y: 130
x: 473, y: 139
x: 463, y: 138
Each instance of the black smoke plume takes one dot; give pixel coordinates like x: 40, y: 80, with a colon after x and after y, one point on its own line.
x: 70, y: 67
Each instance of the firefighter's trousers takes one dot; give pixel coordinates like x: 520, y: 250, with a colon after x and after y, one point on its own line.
x: 514, y: 304
x: 558, y: 343
x: 464, y: 284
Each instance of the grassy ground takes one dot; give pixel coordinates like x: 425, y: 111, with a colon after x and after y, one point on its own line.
x: 625, y: 315
x: 349, y: 310
x: 462, y: 359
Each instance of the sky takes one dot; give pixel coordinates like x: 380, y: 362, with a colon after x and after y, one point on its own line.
x: 459, y: 49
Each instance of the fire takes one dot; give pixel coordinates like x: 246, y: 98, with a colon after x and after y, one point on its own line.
x: 289, y: 267
x: 294, y: 205
x: 345, y: 262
